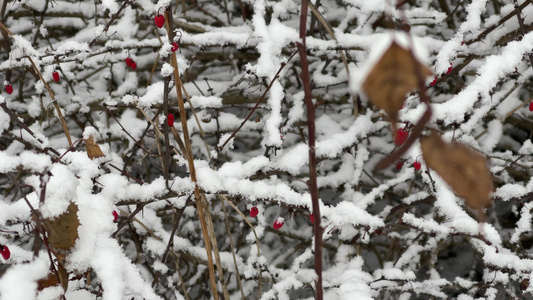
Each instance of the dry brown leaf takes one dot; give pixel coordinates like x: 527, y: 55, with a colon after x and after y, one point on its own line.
x: 464, y: 169
x: 50, y: 280
x: 93, y: 150
x: 63, y: 229
x: 389, y: 81
x: 63, y: 274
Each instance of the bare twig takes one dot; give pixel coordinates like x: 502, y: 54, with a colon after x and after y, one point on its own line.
x: 219, y: 148
x: 113, y: 18
x: 228, y: 229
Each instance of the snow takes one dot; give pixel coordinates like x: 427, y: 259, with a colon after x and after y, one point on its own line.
x: 388, y: 234
x: 20, y: 281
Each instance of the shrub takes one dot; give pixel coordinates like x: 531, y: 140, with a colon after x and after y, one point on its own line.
x: 137, y: 137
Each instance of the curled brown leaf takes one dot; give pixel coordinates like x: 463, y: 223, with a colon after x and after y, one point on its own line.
x: 93, y: 150
x: 393, y: 76
x: 464, y: 169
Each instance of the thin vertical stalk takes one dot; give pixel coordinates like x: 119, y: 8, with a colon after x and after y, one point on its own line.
x: 190, y: 160
x: 313, y: 189
x: 228, y: 229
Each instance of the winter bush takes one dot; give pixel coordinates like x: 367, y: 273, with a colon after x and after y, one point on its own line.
x: 132, y: 170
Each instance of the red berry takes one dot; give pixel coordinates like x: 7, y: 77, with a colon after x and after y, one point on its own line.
x: 170, y: 120
x: 174, y: 47
x: 434, y: 80
x: 5, y: 252
x: 159, y: 21
x: 129, y: 61
x: 449, y: 69
x: 399, y: 165
x: 115, y: 216
x: 56, y: 76
x: 462, y: 42
x: 417, y: 165
x: 312, y: 218
x: 9, y: 88
x: 254, y: 212
x: 133, y: 65
x: 401, y: 137
x: 531, y: 106
x: 278, y: 224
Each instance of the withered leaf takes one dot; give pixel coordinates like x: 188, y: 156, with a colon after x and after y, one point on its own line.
x: 50, y: 280
x: 59, y: 277
x: 393, y: 76
x: 63, y: 274
x: 464, y: 169
x: 63, y: 229
x: 93, y: 150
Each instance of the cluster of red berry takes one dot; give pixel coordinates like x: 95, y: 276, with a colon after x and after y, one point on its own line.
x: 130, y: 63
x: 399, y: 139
x: 159, y: 21
x: 416, y: 164
x: 254, y: 211
x: 9, y: 88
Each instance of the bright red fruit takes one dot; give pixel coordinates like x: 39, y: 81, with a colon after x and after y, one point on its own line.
x: 159, y: 21
x: 170, y: 120
x: 399, y: 165
x: 434, y: 81
x: 254, y: 212
x: 56, y: 76
x: 9, y: 88
x: 174, y: 47
x: 312, y: 218
x: 129, y: 61
x: 278, y: 224
x: 417, y: 165
x: 401, y: 137
x: 531, y: 106
x: 5, y: 252
x: 133, y: 65
x: 115, y: 216
x: 449, y: 69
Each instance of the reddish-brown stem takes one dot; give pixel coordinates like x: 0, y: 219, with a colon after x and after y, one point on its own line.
x: 302, y: 49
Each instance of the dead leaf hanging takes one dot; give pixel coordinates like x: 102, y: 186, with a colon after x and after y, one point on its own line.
x: 93, y: 150
x: 389, y: 81
x: 464, y: 169
x: 63, y: 229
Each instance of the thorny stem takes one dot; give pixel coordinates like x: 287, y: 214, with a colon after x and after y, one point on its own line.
x: 312, y: 154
